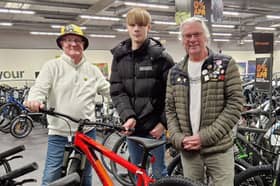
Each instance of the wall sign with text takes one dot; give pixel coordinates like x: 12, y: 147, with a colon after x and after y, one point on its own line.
x: 262, y: 76
x: 11, y: 74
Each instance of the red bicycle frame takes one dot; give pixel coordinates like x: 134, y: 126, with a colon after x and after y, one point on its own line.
x: 85, y: 144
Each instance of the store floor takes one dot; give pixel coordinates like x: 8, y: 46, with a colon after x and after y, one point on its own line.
x: 35, y: 145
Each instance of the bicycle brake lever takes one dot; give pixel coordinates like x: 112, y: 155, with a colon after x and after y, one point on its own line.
x: 26, y: 181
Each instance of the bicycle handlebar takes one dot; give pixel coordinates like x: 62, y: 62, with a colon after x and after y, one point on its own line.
x: 19, y: 172
x: 12, y: 151
x: 83, y: 121
x: 69, y: 180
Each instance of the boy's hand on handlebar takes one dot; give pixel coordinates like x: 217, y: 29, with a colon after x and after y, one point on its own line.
x: 157, y: 131
x: 34, y: 106
x: 129, y: 125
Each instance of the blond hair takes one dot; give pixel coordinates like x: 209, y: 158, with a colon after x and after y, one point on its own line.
x: 138, y: 16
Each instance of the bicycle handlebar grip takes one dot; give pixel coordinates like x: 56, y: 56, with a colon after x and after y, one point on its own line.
x: 69, y: 180
x: 20, y: 171
x: 12, y: 151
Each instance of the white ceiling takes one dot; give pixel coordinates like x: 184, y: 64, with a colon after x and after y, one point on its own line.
x: 61, y: 12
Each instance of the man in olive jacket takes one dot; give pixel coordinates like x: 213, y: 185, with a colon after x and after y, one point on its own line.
x: 203, y: 103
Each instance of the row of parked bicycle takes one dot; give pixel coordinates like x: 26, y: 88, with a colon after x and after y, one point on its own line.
x: 257, y: 154
x: 15, y: 118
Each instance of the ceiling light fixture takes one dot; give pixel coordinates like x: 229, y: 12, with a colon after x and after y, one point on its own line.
x: 223, y: 40
x: 45, y: 33
x: 272, y: 17
x: 156, y: 38
x: 102, y: 36
x: 248, y: 40
x: 176, y: 33
x: 264, y: 28
x: 221, y: 34
x: 100, y: 18
x: 121, y: 30
x: 59, y: 26
x: 17, y: 5
x: 164, y: 23
x: 154, y: 31
x: 231, y: 13
x: 15, y: 11
x: 6, y: 24
x: 146, y: 5
x: 223, y: 26
x: 275, y: 25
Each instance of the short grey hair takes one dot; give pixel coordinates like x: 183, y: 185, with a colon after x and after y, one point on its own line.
x: 193, y: 20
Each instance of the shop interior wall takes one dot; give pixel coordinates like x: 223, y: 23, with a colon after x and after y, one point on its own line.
x: 18, y: 66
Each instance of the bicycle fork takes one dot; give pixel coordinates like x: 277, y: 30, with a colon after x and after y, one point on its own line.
x: 78, y: 161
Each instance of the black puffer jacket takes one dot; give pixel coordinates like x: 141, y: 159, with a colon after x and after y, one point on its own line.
x: 138, y: 83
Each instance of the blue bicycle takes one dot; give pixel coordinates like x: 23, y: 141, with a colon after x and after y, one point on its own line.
x: 12, y: 108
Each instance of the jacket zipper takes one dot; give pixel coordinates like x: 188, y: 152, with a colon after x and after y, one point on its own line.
x: 134, y: 79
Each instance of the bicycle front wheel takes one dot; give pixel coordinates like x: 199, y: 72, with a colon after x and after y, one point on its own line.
x: 122, y: 175
x: 21, y: 126
x: 178, y: 181
x: 8, y: 112
x: 255, y: 176
x: 109, y: 142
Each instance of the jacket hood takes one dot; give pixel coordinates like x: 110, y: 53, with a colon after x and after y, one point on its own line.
x: 150, y: 45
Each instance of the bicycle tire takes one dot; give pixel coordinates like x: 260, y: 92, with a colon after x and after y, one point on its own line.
x: 176, y: 180
x: 121, y: 174
x: 21, y: 126
x: 240, y: 165
x: 175, y: 168
x: 255, y: 176
x: 4, y: 167
x: 109, y: 142
x: 7, y: 113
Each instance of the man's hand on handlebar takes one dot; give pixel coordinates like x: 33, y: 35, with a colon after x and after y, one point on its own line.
x: 34, y: 106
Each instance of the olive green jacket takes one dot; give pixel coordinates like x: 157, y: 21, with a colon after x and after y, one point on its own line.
x: 221, y: 103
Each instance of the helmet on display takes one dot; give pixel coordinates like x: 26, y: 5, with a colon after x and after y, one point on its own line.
x: 71, y: 30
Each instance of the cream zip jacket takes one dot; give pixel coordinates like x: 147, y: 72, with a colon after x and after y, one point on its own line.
x: 69, y: 88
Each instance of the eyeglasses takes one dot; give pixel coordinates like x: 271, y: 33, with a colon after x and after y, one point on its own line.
x: 69, y: 41
x: 195, y: 35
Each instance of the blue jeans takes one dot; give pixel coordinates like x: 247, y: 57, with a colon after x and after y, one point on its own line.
x: 54, y: 160
x: 136, y: 153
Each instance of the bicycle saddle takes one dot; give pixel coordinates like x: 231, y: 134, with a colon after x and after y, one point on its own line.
x: 147, y: 143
